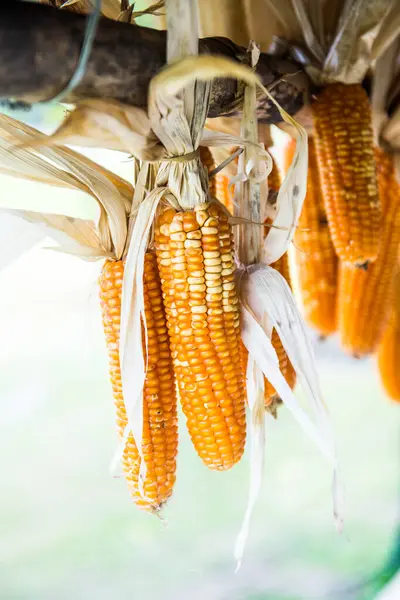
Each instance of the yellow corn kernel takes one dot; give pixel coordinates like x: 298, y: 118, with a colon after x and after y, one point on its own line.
x: 160, y: 432
x: 365, y: 296
x: 203, y: 323
x: 344, y: 146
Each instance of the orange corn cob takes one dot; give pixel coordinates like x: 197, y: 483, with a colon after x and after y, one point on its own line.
x: 160, y: 432
x: 207, y: 160
x: 365, y: 296
x: 195, y: 257
x: 389, y: 349
x: 316, y: 261
x: 344, y: 145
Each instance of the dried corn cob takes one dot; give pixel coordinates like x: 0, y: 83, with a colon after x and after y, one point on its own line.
x: 316, y: 261
x: 344, y: 145
x: 389, y: 349
x: 365, y: 296
x: 160, y: 433
x: 208, y: 163
x: 195, y: 257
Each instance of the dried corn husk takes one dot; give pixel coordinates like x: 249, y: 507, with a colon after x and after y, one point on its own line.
x: 337, y: 42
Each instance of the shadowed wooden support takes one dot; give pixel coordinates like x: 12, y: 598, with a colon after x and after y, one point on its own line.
x: 40, y: 48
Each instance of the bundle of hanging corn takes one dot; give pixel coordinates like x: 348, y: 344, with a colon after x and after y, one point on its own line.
x: 175, y: 307
x: 337, y: 48
x: 342, y: 216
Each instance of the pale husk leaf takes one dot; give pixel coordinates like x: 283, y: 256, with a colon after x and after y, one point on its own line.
x: 255, y: 396
x: 266, y: 297
x: 256, y: 307
x: 112, y: 125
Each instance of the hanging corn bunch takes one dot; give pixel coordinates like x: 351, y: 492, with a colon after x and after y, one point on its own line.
x: 389, y: 349
x: 337, y: 48
x: 316, y: 261
x: 159, y: 444
x: 365, y: 296
x: 170, y: 293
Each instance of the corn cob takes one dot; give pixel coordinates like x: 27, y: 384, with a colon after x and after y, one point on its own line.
x: 344, y: 145
x: 389, y: 349
x: 315, y: 258
x: 208, y: 163
x: 365, y: 296
x: 195, y: 257
x: 160, y: 433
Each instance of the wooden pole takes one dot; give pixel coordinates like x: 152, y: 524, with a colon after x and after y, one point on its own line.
x: 40, y: 48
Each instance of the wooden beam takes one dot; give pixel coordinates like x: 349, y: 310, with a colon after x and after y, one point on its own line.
x: 40, y: 47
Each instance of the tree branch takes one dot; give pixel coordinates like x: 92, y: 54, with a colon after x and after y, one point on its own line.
x: 40, y: 48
